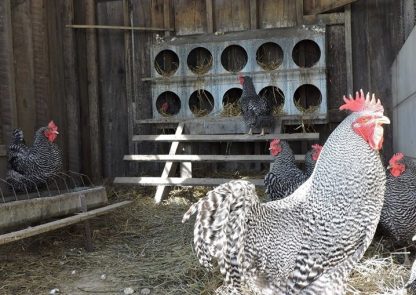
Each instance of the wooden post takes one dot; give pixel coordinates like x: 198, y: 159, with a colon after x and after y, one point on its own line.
x: 87, y: 229
x: 210, y: 19
x: 253, y: 14
x: 8, y: 111
x: 93, y: 99
x: 128, y: 57
x: 348, y: 49
x: 71, y: 90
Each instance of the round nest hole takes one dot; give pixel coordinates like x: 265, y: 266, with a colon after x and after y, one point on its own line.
x: 234, y: 58
x: 231, y: 106
x: 307, y: 98
x: 199, y: 60
x: 269, y: 56
x: 166, y: 62
x: 275, y: 96
x: 168, y: 104
x: 201, y: 102
x: 306, y: 53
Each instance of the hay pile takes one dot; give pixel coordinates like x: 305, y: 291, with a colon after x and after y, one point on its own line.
x: 143, y: 247
x: 231, y: 110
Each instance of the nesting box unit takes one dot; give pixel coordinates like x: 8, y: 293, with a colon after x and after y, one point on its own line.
x: 196, y: 76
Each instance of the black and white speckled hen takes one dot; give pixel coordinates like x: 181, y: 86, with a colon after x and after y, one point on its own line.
x: 308, y: 242
x: 29, y: 167
x: 398, y: 217
x: 311, y: 157
x: 256, y: 110
x: 284, y: 176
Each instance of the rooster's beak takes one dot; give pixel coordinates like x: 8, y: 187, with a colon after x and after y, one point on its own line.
x: 383, y: 120
x: 56, y: 132
x: 388, y: 167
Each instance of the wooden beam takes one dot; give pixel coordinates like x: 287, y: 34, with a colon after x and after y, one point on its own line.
x: 173, y: 181
x: 169, y: 166
x: 167, y: 7
x: 128, y: 61
x: 206, y: 158
x: 87, y: 228
x: 93, y: 98
x: 3, y: 151
x: 72, y: 99
x: 324, y: 19
x: 329, y: 5
x: 299, y: 12
x: 348, y: 49
x: 253, y: 15
x: 210, y: 18
x: 8, y: 110
x: 227, y: 137
x: 43, y: 228
x: 106, y: 27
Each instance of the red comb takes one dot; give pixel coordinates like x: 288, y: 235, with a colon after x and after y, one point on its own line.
x: 362, y: 103
x: 317, y: 147
x: 275, y: 141
x: 52, y: 125
x: 395, y: 158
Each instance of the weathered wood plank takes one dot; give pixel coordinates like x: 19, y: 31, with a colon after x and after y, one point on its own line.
x: 50, y: 226
x: 348, y: 49
x: 158, y: 13
x: 253, y: 15
x: 190, y: 17
x: 167, y: 8
x: 71, y: 90
x: 23, y: 67
x: 326, y: 5
x: 227, y: 137
x: 3, y: 150
x: 232, y: 15
x: 8, y: 110
x: 335, y: 18
x: 173, y: 181
x: 207, y: 158
x: 93, y: 97
x: 169, y: 166
x: 277, y: 13
x: 210, y: 19
x: 299, y: 12
x: 40, y: 61
x: 128, y: 28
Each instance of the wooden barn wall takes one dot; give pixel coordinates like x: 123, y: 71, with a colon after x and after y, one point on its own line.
x: 47, y: 70
x: 377, y: 36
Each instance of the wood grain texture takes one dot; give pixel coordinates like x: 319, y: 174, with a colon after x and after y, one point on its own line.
x: 277, y: 13
x: 8, y: 110
x: 72, y: 98
x: 112, y: 89
x: 173, y: 181
x: 231, y: 15
x: 190, y: 17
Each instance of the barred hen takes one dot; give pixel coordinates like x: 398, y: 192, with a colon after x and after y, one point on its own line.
x: 256, y: 110
x: 284, y: 176
x: 311, y: 157
x: 398, y: 217
x: 31, y: 167
x: 308, y: 242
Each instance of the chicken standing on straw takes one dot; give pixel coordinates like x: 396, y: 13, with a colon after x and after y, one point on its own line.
x: 310, y: 241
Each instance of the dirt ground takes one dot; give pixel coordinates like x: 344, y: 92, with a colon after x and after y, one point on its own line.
x: 146, y: 248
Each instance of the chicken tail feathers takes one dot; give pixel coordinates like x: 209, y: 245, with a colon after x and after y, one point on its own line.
x: 220, y: 226
x: 17, y: 137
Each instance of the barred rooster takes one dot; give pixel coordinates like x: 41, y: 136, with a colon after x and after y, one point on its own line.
x: 31, y: 167
x: 411, y: 283
x: 284, y: 176
x: 308, y: 242
x: 398, y: 217
x: 311, y: 157
x: 256, y: 110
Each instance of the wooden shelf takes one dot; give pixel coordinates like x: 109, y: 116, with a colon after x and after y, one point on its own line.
x: 206, y: 158
x: 225, y: 137
x: 173, y: 181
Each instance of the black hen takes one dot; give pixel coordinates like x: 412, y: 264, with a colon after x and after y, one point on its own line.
x: 256, y: 110
x: 31, y: 167
x: 284, y: 176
